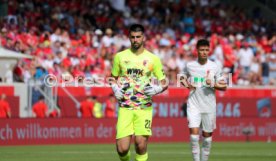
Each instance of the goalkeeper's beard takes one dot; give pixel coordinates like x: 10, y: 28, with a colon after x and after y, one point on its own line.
x: 136, y: 47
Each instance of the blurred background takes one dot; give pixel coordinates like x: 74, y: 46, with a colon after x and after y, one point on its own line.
x: 77, y: 39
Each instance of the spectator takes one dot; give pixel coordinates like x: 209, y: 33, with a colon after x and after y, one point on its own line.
x: 26, y: 72
x: 272, y: 69
x: 18, y: 72
x: 189, y: 24
x: 180, y: 62
x: 255, y: 72
x: 49, y: 62
x: 245, y: 56
x: 229, y: 59
x: 265, y: 69
x: 40, y: 73
x: 107, y: 40
x: 86, y: 107
x: 218, y: 54
x: 58, y: 58
x: 56, y: 36
x: 5, y: 110
x: 8, y: 78
x: 110, y: 108
x: 172, y: 68
x: 97, y: 109
x: 40, y: 108
x: 97, y: 38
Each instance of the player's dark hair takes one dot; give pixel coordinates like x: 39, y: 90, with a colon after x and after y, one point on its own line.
x: 202, y: 42
x: 136, y: 28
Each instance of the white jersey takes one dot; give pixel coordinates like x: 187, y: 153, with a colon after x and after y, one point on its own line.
x: 203, y: 98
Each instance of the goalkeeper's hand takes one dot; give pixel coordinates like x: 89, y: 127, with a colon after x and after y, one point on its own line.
x: 118, y: 92
x: 152, y: 90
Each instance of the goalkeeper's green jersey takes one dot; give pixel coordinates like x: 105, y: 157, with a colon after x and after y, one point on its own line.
x: 134, y: 73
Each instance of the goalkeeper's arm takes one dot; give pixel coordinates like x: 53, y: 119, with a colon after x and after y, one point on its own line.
x: 152, y: 90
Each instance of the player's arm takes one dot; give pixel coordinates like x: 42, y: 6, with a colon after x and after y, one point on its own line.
x: 220, y: 85
x: 160, y: 75
x: 184, y: 79
x: 115, y: 72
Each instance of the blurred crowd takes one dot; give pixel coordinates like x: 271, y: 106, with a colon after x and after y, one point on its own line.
x: 89, y: 107
x: 79, y: 38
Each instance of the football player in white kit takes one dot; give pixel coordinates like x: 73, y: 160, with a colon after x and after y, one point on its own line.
x: 202, y: 78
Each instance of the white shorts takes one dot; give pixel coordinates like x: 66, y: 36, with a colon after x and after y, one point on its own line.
x: 206, y: 121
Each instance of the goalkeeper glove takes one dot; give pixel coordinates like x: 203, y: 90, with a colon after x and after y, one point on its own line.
x: 118, y: 92
x: 152, y: 90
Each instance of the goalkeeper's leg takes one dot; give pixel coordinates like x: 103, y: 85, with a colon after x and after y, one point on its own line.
x: 123, y: 145
x: 141, y: 148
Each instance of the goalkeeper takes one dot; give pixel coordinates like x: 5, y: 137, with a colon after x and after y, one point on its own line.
x: 132, y: 72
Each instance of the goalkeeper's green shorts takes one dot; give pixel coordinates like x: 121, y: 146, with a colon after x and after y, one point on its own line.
x: 137, y: 122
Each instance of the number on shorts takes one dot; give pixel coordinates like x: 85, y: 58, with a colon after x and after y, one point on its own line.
x: 147, y: 124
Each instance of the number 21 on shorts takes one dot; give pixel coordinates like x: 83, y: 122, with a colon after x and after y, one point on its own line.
x: 147, y: 124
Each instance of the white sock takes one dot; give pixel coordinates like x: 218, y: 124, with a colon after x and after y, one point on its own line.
x: 194, y: 140
x: 206, y: 148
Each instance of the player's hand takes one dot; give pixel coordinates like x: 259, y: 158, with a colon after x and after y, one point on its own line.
x: 152, y: 90
x: 208, y: 82
x: 118, y: 92
x: 191, y: 87
x: 187, y: 84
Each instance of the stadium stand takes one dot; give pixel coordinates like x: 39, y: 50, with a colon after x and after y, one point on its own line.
x: 79, y: 38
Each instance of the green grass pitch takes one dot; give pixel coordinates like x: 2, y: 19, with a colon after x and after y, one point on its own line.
x: 234, y: 151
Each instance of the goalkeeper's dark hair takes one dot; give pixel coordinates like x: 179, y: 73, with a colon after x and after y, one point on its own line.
x: 136, y: 28
x: 202, y: 42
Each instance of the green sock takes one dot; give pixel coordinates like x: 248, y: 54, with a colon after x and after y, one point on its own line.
x: 126, y: 157
x: 143, y: 157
